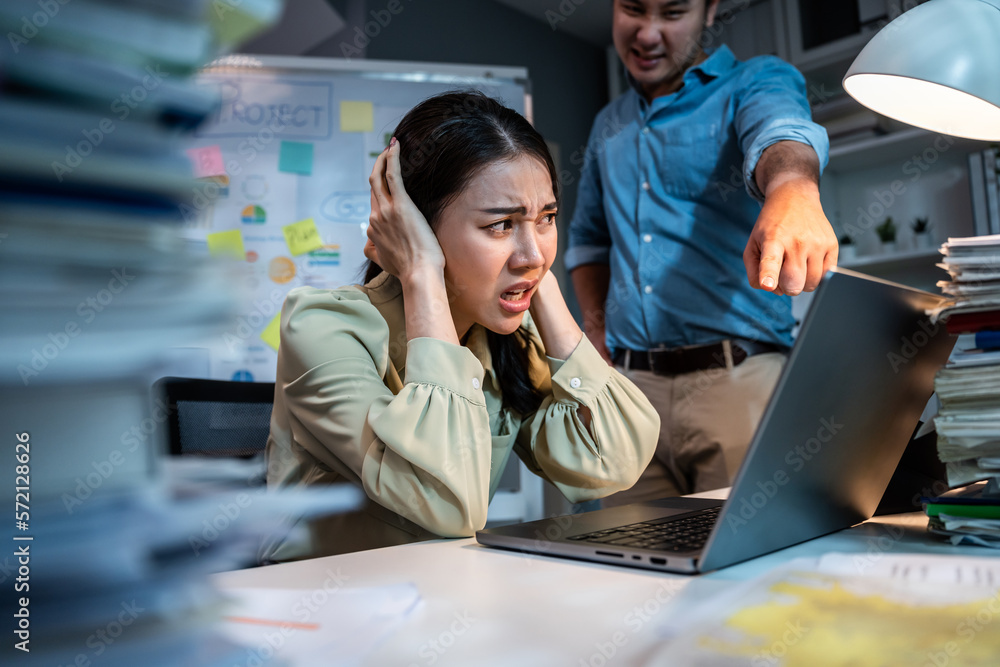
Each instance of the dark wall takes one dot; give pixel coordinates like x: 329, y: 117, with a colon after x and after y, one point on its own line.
x: 568, y: 76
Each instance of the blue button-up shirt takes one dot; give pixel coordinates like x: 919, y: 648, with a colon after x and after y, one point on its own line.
x: 667, y: 198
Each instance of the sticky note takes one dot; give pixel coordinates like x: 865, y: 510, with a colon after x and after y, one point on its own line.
x: 302, y: 236
x: 207, y: 161
x: 227, y: 244
x: 296, y: 157
x: 356, y: 117
x: 272, y: 332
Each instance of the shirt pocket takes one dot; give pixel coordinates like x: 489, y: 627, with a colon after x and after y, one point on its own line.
x: 691, y: 161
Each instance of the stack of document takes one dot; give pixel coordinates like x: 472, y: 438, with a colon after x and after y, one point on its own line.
x: 970, y: 515
x: 97, y: 105
x: 968, y: 424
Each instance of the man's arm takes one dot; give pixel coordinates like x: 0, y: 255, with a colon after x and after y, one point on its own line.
x: 590, y: 282
x: 792, y: 245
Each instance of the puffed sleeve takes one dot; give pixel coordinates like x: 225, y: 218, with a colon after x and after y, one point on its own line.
x: 423, y: 453
x: 587, y: 463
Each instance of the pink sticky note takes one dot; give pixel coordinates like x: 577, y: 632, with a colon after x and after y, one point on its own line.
x: 207, y: 161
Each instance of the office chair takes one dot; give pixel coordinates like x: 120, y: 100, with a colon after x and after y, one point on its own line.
x: 216, y: 418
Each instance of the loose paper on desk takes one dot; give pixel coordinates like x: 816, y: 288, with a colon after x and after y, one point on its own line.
x: 307, y: 626
x: 863, y: 610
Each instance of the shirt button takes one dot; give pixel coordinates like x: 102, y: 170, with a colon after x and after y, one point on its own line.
x: 648, y: 289
x: 645, y: 185
x: 575, y: 383
x: 475, y: 383
x: 647, y: 238
x: 645, y: 130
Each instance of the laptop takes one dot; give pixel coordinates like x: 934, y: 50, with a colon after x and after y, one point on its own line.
x: 852, y: 391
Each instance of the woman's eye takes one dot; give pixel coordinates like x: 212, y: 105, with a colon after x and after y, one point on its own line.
x: 501, y: 226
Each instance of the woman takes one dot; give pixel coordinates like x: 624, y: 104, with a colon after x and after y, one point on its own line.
x: 457, y: 350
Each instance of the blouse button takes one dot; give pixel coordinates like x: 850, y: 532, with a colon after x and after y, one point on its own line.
x: 475, y: 383
x: 575, y: 383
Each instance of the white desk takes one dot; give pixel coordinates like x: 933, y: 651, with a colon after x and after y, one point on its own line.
x: 484, y: 606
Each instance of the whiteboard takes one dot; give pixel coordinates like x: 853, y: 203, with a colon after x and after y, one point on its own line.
x: 296, y: 139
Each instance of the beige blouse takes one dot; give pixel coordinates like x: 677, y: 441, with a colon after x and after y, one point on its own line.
x: 421, y: 424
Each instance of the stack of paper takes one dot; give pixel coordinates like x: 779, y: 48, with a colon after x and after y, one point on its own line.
x: 968, y: 424
x: 970, y: 515
x: 96, y: 283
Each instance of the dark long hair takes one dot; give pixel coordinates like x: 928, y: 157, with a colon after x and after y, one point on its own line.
x: 443, y: 142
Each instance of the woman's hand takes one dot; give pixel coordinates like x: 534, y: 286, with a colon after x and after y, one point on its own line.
x: 559, y: 331
x: 402, y: 243
x: 399, y: 238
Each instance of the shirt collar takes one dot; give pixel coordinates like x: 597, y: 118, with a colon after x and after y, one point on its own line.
x: 385, y: 292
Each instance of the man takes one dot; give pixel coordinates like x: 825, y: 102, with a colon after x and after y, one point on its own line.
x: 669, y: 203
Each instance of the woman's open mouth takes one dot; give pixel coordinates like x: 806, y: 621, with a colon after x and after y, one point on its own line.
x: 516, y: 300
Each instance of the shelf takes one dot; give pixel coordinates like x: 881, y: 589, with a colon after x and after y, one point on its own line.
x: 921, y: 256
x: 901, y: 145
x: 915, y: 268
x: 903, y: 259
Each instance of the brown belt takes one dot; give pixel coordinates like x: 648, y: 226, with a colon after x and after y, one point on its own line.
x: 690, y: 358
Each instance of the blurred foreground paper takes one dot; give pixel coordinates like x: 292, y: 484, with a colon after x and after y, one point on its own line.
x: 310, y: 626
x: 863, y: 610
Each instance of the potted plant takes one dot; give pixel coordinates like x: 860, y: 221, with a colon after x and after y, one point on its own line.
x: 921, y: 233
x: 848, y: 250
x: 887, y: 235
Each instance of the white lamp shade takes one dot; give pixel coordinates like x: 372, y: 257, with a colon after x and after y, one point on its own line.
x: 936, y: 66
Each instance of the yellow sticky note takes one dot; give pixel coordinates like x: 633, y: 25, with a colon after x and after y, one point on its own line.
x: 227, y: 244
x: 272, y: 332
x: 302, y: 236
x: 356, y: 117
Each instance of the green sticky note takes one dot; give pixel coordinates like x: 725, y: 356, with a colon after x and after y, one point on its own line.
x: 296, y: 157
x: 272, y: 332
x: 227, y: 244
x: 357, y: 117
x: 302, y: 236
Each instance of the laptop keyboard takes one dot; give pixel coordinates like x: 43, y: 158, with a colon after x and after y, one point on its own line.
x: 688, y: 533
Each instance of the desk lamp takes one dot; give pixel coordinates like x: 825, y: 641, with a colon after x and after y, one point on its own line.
x: 936, y: 66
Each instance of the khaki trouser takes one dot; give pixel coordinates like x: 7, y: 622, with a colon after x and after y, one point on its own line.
x: 707, y: 419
